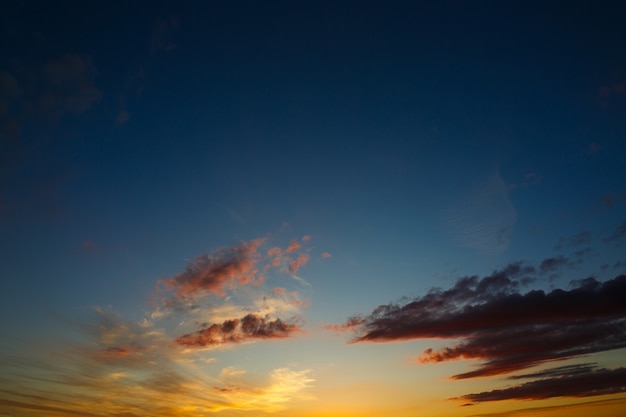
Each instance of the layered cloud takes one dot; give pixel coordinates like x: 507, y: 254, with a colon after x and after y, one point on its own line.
x: 506, y: 329
x: 589, y: 383
x: 159, y: 364
x: 221, y: 298
x: 128, y: 368
x: 618, y: 235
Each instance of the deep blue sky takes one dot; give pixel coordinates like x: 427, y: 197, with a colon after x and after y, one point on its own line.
x: 414, y: 142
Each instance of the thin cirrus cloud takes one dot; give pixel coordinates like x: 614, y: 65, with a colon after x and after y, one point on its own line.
x: 488, y: 317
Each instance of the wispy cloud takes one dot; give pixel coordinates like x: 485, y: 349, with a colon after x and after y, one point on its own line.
x: 296, y: 264
x: 583, y: 384
x: 158, y: 365
x: 215, y: 273
x: 141, y: 373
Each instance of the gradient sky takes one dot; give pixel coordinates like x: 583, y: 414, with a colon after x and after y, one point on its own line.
x: 304, y: 208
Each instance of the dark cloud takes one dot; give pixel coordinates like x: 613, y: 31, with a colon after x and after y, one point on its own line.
x: 566, y: 370
x: 574, y: 240
x: 250, y: 327
x: 552, y: 264
x: 505, y: 329
x: 585, y: 384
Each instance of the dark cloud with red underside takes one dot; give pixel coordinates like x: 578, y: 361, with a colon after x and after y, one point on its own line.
x: 251, y: 326
x: 587, y: 384
x: 505, y: 329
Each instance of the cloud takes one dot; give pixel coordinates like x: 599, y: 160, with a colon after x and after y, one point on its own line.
x: 137, y: 369
x: 618, y: 234
x: 149, y: 367
x: 296, y: 264
x: 326, y: 255
x: 552, y: 264
x: 574, y: 240
x: 215, y: 273
x: 582, y: 384
x: 250, y: 327
x: 490, y: 316
x: 566, y: 370
x: 293, y: 246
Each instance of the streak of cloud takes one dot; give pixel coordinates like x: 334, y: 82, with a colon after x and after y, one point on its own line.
x: 137, y: 368
x: 249, y: 327
x: 597, y: 382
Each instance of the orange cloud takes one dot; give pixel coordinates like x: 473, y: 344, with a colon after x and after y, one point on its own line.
x: 293, y: 246
x: 227, y: 268
x: 275, y: 251
x: 300, y: 261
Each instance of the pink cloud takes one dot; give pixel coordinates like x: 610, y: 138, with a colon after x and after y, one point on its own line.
x: 227, y: 268
x: 300, y: 261
x: 293, y: 246
x: 350, y: 325
x: 326, y: 255
x: 280, y: 291
x: 275, y: 251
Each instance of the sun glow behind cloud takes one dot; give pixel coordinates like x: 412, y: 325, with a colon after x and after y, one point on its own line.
x: 164, y: 364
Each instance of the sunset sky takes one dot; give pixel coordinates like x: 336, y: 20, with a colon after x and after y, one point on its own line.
x: 316, y: 209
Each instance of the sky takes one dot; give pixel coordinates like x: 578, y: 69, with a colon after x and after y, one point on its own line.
x: 312, y: 208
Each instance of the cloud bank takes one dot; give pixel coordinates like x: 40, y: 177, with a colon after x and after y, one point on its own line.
x: 507, y: 330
